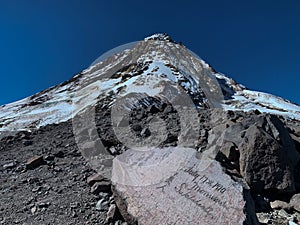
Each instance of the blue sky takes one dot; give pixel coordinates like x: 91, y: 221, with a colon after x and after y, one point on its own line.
x: 43, y: 43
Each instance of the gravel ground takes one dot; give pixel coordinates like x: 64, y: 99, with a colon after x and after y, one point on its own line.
x: 53, y: 188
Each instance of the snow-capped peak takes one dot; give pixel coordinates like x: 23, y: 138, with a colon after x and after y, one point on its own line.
x: 160, y: 37
x: 159, y: 68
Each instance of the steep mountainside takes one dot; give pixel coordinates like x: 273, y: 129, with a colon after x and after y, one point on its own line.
x: 145, y: 68
x: 121, y: 141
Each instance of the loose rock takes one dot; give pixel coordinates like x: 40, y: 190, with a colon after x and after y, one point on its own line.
x: 9, y: 165
x: 295, y: 202
x: 91, y: 180
x: 101, y: 204
x: 102, y: 186
x: 34, y: 162
x: 279, y: 205
x: 111, y: 212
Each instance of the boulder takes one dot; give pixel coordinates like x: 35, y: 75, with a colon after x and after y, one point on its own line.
x: 263, y: 162
x: 295, y: 202
x: 267, y: 153
x: 258, y: 146
x: 172, y: 186
x: 279, y: 205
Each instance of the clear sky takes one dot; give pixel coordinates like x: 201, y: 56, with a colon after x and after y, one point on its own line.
x: 43, y: 43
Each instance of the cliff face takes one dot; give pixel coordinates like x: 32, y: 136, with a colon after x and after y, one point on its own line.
x: 171, y: 141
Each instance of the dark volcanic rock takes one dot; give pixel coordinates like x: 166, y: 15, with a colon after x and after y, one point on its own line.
x: 263, y: 162
x: 259, y: 146
x: 34, y: 162
x: 101, y: 186
x: 267, y: 155
x: 297, y: 177
x: 27, y: 142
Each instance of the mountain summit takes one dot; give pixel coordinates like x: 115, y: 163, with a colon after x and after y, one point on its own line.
x: 142, y: 68
x: 150, y: 134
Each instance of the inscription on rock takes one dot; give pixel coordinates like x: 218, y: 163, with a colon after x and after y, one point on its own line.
x: 194, y: 192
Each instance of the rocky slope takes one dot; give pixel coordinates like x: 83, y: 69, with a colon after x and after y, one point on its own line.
x: 160, y: 96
